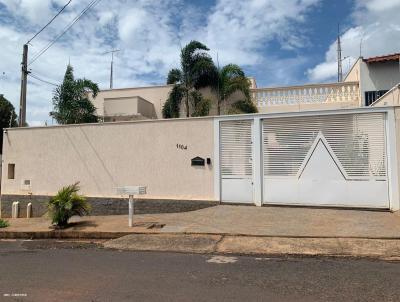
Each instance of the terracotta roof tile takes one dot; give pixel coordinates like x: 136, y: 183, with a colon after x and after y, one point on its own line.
x: 391, y: 57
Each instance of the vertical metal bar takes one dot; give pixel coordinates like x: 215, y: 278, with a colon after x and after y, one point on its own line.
x: 216, y: 164
x: 131, y: 210
x: 257, y: 162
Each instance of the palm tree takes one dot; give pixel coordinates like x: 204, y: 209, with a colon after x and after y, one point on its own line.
x: 70, y: 100
x: 197, y: 71
x: 67, y: 203
x: 230, y: 79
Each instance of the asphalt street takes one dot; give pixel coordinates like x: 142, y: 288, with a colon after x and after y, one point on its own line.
x: 49, y: 271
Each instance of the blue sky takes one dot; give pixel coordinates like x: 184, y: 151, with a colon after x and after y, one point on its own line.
x: 285, y: 42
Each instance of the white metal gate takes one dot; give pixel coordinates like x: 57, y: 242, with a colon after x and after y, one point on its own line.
x: 334, y: 160
x: 236, y: 161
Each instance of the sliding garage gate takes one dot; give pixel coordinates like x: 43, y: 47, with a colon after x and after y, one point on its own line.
x: 317, y: 160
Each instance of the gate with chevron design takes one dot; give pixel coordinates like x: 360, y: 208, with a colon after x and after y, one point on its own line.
x: 333, y: 160
x: 338, y: 159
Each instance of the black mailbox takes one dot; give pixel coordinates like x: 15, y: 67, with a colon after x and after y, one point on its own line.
x: 198, y: 161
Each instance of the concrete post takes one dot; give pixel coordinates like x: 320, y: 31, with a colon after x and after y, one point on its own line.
x: 29, y: 210
x: 15, y: 209
x: 131, y: 209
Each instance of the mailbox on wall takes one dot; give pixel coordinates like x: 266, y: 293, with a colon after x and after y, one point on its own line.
x: 198, y: 161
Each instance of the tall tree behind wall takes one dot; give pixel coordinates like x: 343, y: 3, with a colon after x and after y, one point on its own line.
x: 70, y: 100
x: 8, y: 117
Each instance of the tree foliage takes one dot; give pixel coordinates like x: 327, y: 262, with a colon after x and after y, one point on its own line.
x: 174, y: 76
x: 171, y: 107
x: 70, y: 100
x: 197, y: 71
x: 4, y: 223
x: 243, y: 106
x: 231, y: 78
x: 65, y: 204
x: 201, y: 106
x: 8, y: 117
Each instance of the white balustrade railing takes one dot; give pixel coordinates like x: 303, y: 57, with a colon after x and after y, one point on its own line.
x: 307, y: 94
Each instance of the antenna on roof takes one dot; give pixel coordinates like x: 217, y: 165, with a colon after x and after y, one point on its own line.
x: 219, y: 94
x: 361, y: 41
x: 339, y: 57
x: 112, y: 63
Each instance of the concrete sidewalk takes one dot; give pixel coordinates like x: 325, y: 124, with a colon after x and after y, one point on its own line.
x: 235, y: 230
x: 234, y: 220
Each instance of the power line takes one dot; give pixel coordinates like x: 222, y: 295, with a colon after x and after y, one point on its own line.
x: 61, y: 10
x: 41, y: 80
x: 43, y: 77
x: 76, y: 19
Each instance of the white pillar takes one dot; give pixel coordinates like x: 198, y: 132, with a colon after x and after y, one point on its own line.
x: 15, y: 209
x: 392, y: 162
x: 257, y: 162
x: 29, y: 210
x: 131, y: 210
x: 215, y: 165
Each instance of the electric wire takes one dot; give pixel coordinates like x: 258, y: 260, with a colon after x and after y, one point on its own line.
x: 60, y: 11
x: 41, y: 80
x: 76, y: 19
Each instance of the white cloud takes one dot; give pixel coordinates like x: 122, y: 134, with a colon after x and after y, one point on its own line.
x: 377, y: 28
x: 239, y: 29
x: 379, y: 5
x: 149, y: 34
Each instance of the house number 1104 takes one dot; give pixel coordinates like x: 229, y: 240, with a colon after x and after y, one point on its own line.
x: 182, y: 147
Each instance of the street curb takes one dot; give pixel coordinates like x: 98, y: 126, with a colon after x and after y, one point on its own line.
x: 267, y: 246
x: 376, y: 248
x: 71, y: 234
x: 57, y: 234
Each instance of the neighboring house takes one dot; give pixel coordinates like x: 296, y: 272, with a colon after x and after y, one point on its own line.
x: 131, y: 103
x: 366, y: 82
x: 138, y: 103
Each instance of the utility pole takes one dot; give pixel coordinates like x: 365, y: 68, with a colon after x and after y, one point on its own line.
x: 339, y: 57
x: 112, y: 63
x: 24, y: 75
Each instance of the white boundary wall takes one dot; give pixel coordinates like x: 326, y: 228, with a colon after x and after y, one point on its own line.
x: 151, y: 153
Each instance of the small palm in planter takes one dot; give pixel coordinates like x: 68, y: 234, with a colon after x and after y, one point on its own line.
x: 67, y: 203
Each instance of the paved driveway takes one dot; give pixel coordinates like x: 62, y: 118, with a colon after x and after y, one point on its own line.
x: 246, y: 220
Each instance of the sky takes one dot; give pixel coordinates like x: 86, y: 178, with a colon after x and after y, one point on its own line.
x: 285, y: 42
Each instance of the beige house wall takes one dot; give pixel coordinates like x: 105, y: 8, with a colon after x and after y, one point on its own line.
x: 354, y: 73
x: 209, y: 94
x: 128, y: 106
x: 156, y: 95
x: 391, y: 98
x: 104, y: 156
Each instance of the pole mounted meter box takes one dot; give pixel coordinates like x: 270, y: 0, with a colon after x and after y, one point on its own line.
x: 131, y: 191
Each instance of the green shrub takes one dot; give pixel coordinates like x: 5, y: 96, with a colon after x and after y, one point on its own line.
x: 3, y: 223
x: 243, y: 106
x: 67, y: 203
